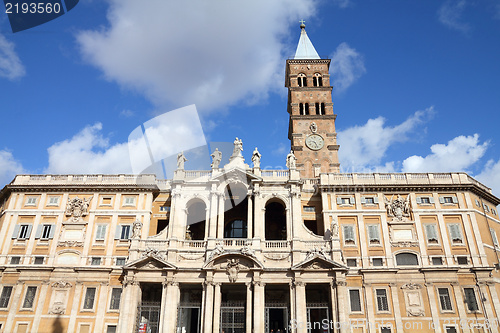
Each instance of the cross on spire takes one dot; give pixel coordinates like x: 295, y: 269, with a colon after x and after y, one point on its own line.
x: 302, y: 24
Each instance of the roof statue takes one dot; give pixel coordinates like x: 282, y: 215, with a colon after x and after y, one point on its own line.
x: 305, y: 49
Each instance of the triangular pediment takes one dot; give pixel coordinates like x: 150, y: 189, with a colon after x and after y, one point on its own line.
x: 150, y: 262
x: 318, y: 262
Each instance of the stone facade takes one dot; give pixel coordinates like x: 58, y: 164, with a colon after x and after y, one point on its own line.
x: 240, y: 249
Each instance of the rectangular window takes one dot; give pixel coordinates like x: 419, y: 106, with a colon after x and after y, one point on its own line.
x: 309, y: 209
x: 486, y: 208
x: 385, y: 330
x: 431, y: 233
x: 447, y: 200
x: 455, y: 233
x: 373, y: 234
x: 462, y: 260
x: 355, y: 300
x: 96, y: 261
x: 53, y: 201
x: 38, y: 261
x: 106, y: 201
x: 15, y: 260
x: 5, y: 297
x: 120, y: 261
x: 22, y: 231
x: 382, y: 303
x: 444, y: 299
x: 425, y: 200
x: 470, y: 299
x: 494, y: 237
x: 369, y: 200
x: 31, y: 201
x: 437, y: 261
x: 88, y: 303
x: 129, y: 201
x: 115, y: 299
x: 111, y: 329
x: 349, y: 238
x: 100, y: 233
x: 46, y: 231
x: 377, y: 262
x: 351, y: 262
x: 451, y: 329
x: 164, y: 208
x: 29, y: 298
x: 122, y: 231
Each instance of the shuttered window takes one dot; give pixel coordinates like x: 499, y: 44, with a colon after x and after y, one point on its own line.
x: 373, y: 234
x: 349, y: 238
x: 355, y: 300
x: 431, y: 233
x: 455, y: 233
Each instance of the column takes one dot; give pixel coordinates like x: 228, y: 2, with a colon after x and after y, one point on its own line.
x: 363, y: 240
x: 368, y: 291
x: 173, y: 298
x: 101, y: 307
x: 258, y: 317
x: 301, y: 307
x: 220, y: 218
x: 446, y: 240
x: 434, y: 307
x: 292, y: 306
x: 397, y: 309
x: 163, y: 309
x: 258, y: 218
x: 488, y: 306
x: 74, y: 308
x: 462, y: 313
x: 214, y: 198
x: 126, y: 320
x: 209, y: 306
x: 342, y: 304
x: 217, y: 303
x: 333, y: 296
x: 249, y: 309
x: 494, y: 297
x: 250, y: 217
x: 39, y: 306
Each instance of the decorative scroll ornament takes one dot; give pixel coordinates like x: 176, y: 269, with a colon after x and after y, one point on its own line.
x: 247, y: 251
x: 215, y: 252
x: 61, y: 284
x: 77, y: 208
x: 232, y: 269
x: 57, y: 308
x: 153, y: 253
x: 315, y: 251
x: 398, y: 209
x: 411, y: 286
x: 313, y: 127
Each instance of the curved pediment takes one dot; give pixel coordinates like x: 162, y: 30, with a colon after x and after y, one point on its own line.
x: 245, y: 261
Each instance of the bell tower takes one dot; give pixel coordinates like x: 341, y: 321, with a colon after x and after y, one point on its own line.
x: 311, y: 128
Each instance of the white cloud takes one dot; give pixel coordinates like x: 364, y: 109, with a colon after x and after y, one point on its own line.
x: 342, y: 3
x: 490, y: 176
x: 363, y: 147
x: 9, y: 167
x: 457, y: 155
x: 208, y: 53
x: 347, y: 66
x: 450, y: 14
x: 127, y: 113
x: 10, y: 64
x: 88, y: 152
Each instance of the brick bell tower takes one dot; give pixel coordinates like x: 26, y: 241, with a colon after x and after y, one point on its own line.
x: 311, y: 128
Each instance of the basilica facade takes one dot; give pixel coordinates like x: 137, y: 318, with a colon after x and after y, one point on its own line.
x: 241, y: 249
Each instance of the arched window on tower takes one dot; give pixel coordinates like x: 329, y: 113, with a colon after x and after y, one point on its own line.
x: 303, y: 109
x: 317, y: 80
x: 317, y: 109
x: 306, y: 109
x: 302, y: 80
x: 322, y: 109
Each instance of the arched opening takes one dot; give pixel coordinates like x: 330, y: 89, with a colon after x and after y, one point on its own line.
x: 302, y: 80
x: 317, y: 80
x: 406, y: 259
x: 235, y: 211
x: 196, y: 220
x: 304, y: 109
x: 322, y: 109
x: 275, y: 221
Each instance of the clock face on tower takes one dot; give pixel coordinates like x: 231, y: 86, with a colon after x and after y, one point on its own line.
x: 315, y: 142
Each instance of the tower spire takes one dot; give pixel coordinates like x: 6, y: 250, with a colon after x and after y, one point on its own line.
x: 305, y: 49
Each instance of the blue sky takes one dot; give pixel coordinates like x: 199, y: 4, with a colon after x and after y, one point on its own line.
x: 416, y: 83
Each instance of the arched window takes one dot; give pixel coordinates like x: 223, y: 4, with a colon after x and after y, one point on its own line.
x: 302, y: 80
x: 195, y: 227
x: 236, y: 229
x: 317, y: 80
x: 322, y: 109
x: 301, y: 109
x: 406, y: 259
x: 306, y: 109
